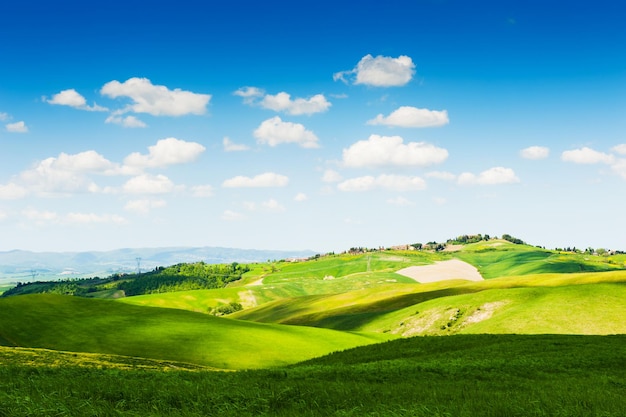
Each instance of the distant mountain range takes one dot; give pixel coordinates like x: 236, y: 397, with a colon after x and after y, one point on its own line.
x: 24, y: 266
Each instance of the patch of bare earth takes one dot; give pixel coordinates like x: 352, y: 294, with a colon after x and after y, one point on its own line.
x: 247, y: 298
x: 443, y: 270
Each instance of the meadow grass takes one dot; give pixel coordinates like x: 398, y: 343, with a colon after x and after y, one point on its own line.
x: 102, y: 326
x: 461, y: 376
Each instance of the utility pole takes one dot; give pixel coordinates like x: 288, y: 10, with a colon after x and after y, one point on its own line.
x: 138, y: 265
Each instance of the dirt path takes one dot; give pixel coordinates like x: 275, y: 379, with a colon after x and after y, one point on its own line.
x: 443, y: 270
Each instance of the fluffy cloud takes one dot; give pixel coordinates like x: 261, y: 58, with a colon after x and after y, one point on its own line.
x: 38, y: 216
x: 331, y: 176
x: 300, y: 197
x: 535, y: 152
x: 268, y: 179
x: 390, y: 150
x: 12, y: 191
x: 249, y: 94
x: 407, y: 116
x: 156, y: 100
x: 620, y: 149
x: 282, y: 102
x: 73, y: 99
x: 169, y: 151
x: 128, y: 121
x: 4, y: 117
x: 274, y: 132
x: 619, y: 167
x: 230, y: 146
x: 230, y: 215
x: 587, y: 156
x: 492, y: 176
x: 381, y: 71
x: 144, y: 206
x: 273, y: 206
x: 389, y: 182
x: 148, y: 184
x: 67, y: 173
x: 17, y: 127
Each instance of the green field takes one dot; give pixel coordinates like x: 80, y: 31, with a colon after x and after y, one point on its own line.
x: 102, y: 326
x: 461, y: 376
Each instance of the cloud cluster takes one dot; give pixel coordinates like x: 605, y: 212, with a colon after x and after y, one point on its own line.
x: 535, y: 152
x: 492, y: 176
x: 407, y: 116
x: 145, y: 97
x: 379, y: 151
x: 380, y: 71
x: 590, y: 156
x: 267, y: 179
x: 274, y: 132
x: 72, y: 98
x: 156, y: 100
x: 282, y: 102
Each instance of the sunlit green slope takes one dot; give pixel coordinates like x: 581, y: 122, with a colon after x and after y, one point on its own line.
x: 87, y: 325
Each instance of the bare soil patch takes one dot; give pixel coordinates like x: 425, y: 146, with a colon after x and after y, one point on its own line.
x: 440, y: 271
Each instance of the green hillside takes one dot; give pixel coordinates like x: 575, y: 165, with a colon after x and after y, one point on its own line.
x: 464, y: 375
x: 101, y: 326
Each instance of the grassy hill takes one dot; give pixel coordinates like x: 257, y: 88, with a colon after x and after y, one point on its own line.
x: 101, y: 326
x: 464, y: 375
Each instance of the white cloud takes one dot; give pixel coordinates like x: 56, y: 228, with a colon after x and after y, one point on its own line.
x: 144, y: 206
x: 407, y: 116
x: 440, y: 201
x: 282, y: 102
x: 156, y: 100
x: 3, y: 215
x: 67, y: 173
x: 249, y: 94
x: 273, y: 206
x: 380, y: 71
x: 230, y: 146
x: 390, y: 150
x: 148, y: 184
x: 73, y: 99
x: 86, y: 218
x: 535, y: 152
x: 441, y: 175
x: 12, y: 191
x: 17, y: 127
x: 620, y: 149
x: 619, y: 167
x: 492, y: 176
x: 268, y: 179
x: 202, y: 191
x: 166, y: 152
x: 300, y: 197
x: 230, y: 215
x: 128, y: 121
x: 4, y: 117
x: 331, y: 176
x: 400, y: 202
x: 389, y: 182
x: 275, y: 132
x: 587, y: 156
x: 40, y: 217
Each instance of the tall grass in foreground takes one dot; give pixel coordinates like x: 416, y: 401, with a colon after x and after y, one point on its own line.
x: 469, y: 375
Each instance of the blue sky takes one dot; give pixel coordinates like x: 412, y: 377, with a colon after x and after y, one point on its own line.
x: 319, y: 126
